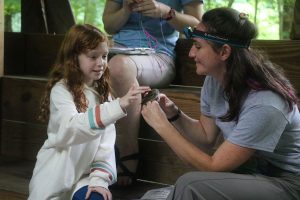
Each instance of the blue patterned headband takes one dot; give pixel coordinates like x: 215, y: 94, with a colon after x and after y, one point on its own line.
x: 192, y: 33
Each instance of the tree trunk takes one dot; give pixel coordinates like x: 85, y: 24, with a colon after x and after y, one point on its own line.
x: 295, y: 32
x: 7, y: 23
x: 287, y: 19
x: 230, y: 2
x: 255, y: 12
x: 280, y: 17
x: 1, y: 41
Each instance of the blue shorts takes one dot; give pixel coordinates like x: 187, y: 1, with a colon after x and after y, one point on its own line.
x: 80, y: 194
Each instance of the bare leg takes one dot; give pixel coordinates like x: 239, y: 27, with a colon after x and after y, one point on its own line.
x: 123, y: 74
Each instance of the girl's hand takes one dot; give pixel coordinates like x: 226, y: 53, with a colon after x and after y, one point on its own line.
x: 133, y: 94
x: 101, y: 190
x: 151, y: 8
x: 153, y: 114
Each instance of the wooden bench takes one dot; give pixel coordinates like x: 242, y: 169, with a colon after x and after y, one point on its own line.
x: 22, y: 135
x: 28, y: 58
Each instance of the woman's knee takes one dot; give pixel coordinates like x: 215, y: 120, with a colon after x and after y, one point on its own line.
x: 188, y: 177
x: 120, y: 66
x: 190, y: 186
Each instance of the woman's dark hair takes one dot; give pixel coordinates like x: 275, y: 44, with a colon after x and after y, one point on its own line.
x: 79, y: 39
x: 246, y: 69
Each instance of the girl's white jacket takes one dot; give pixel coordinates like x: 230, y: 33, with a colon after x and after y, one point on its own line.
x: 79, y: 149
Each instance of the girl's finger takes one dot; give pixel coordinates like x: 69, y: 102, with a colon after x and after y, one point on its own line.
x: 88, y: 193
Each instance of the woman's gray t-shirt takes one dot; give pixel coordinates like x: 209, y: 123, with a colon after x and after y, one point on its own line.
x: 265, y: 123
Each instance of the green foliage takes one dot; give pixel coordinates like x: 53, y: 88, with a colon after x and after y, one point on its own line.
x: 272, y: 17
x: 12, y: 7
x: 268, y: 16
x: 88, y: 11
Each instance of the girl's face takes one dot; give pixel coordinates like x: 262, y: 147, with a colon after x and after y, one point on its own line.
x: 93, y: 63
x: 208, y: 61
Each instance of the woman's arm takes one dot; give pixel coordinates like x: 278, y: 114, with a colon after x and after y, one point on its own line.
x: 115, y: 16
x: 227, y: 157
x: 202, y: 131
x: 191, y: 15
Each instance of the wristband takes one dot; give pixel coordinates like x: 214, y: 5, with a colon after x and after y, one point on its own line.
x: 176, y: 116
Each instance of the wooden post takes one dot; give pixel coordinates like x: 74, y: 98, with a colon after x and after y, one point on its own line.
x: 1, y: 37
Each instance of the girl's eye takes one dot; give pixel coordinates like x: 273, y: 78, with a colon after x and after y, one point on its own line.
x: 92, y: 57
x: 104, y: 56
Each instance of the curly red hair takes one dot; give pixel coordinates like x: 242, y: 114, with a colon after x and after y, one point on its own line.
x: 78, y: 39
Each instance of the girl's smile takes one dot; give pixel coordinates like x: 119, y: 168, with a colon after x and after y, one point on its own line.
x: 93, y: 63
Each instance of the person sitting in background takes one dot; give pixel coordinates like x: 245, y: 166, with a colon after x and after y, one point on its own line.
x: 247, y: 100
x: 143, y: 24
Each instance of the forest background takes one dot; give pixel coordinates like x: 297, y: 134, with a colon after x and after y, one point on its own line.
x: 272, y: 17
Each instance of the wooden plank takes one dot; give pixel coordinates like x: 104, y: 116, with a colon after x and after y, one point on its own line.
x: 14, y: 53
x: 22, y: 133
x: 22, y: 140
x: 41, y: 51
x: 8, y: 195
x: 14, y: 177
x: 286, y: 54
x: 160, y: 164
x: 35, y: 53
x: 185, y: 66
x: 21, y: 98
x: 1, y: 37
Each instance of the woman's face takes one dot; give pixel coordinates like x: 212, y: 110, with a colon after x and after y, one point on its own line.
x: 208, y: 61
x: 93, y: 63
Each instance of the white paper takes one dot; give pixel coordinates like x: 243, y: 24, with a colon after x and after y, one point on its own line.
x: 157, y: 194
x: 131, y: 51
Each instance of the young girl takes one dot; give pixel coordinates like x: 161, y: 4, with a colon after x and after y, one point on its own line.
x: 77, y: 161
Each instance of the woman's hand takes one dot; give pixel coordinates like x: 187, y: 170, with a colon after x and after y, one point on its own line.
x: 150, y: 8
x: 128, y: 5
x: 133, y: 94
x: 153, y: 114
x: 101, y: 190
x: 167, y: 106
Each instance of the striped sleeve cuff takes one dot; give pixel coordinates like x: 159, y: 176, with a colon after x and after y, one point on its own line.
x: 95, y: 118
x: 102, y: 115
x: 103, y: 168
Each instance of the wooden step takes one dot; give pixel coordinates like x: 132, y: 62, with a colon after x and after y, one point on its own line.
x: 22, y: 135
x: 15, y: 175
x: 8, y: 195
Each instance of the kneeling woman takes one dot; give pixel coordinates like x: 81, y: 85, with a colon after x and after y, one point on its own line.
x: 247, y: 100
